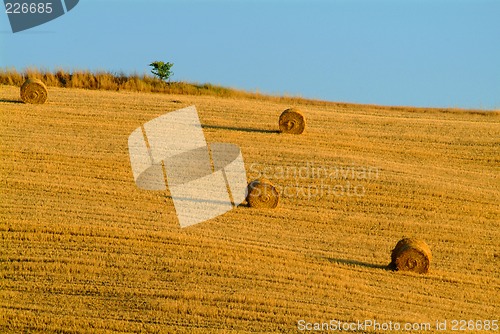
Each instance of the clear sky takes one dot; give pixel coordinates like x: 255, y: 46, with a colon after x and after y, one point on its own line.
x: 435, y: 53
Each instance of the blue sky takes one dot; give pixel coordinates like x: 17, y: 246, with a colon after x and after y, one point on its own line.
x: 441, y: 53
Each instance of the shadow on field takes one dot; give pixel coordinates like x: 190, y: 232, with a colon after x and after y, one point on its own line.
x: 237, y: 129
x: 359, y: 263
x: 193, y: 200
x: 10, y: 101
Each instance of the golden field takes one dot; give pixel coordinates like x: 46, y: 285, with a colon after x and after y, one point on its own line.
x: 83, y: 250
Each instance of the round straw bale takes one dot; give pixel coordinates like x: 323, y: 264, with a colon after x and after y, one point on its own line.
x: 262, y: 194
x: 34, y: 91
x: 411, y: 255
x: 292, y: 121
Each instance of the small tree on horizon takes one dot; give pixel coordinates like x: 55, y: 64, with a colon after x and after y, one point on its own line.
x: 162, y: 70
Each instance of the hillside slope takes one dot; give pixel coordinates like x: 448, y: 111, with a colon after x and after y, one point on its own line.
x: 83, y: 250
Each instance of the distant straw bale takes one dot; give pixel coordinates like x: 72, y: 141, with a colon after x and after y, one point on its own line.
x: 262, y: 194
x: 34, y: 91
x: 411, y: 255
x: 292, y: 121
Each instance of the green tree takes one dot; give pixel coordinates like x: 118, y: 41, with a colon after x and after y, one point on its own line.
x: 162, y: 70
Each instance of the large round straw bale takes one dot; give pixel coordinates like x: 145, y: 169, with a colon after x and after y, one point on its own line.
x: 411, y: 255
x: 262, y: 194
x: 292, y: 121
x: 34, y: 91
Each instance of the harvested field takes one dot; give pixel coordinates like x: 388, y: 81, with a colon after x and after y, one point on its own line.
x: 83, y: 250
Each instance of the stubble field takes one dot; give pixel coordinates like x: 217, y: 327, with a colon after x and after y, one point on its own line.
x: 83, y: 250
